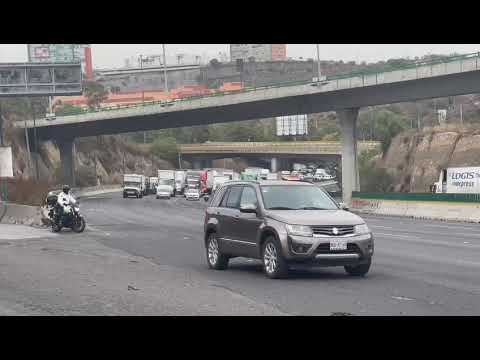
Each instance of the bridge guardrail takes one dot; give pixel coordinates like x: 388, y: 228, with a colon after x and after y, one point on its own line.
x: 363, y: 78
x: 271, y: 147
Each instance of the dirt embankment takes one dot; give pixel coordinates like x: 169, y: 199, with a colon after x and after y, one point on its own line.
x: 416, y: 158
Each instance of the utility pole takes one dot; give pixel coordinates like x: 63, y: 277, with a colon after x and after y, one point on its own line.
x: 35, y: 140
x: 318, y: 63
x: 165, y: 69
x: 461, y: 113
x: 143, y: 94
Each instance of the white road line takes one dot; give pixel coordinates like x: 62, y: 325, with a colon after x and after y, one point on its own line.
x: 441, y: 260
x: 415, y: 239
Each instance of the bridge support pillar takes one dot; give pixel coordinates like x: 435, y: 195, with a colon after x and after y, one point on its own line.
x: 350, y: 177
x: 274, y: 165
x: 65, y: 147
x: 207, y: 163
x: 197, y: 164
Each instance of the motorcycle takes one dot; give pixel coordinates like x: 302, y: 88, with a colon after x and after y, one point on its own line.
x: 70, y: 217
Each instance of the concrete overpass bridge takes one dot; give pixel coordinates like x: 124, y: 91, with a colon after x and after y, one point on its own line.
x: 344, y: 94
x: 278, y: 154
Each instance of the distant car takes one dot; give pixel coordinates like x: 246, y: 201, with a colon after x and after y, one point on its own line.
x: 164, y: 191
x: 285, y: 172
x: 192, y: 194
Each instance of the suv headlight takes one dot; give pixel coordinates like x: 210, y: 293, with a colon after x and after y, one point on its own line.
x: 362, y: 229
x: 299, y: 230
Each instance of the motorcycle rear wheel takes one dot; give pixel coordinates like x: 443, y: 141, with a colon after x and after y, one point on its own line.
x: 55, y: 227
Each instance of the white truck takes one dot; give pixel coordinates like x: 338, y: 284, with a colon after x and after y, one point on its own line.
x: 272, y: 176
x: 218, y: 180
x: 459, y: 180
x: 133, y: 185
x: 167, y: 175
x: 179, y: 181
x: 232, y: 175
x: 321, y: 174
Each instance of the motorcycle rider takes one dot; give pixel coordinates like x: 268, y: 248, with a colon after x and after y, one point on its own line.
x: 64, y: 199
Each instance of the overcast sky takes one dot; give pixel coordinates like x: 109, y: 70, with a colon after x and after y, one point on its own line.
x: 113, y: 55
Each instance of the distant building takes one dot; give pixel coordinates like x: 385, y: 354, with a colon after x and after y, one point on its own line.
x: 62, y: 53
x: 260, y: 52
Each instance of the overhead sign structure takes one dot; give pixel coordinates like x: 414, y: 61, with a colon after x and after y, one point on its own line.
x: 40, y: 79
x: 6, y: 162
x: 292, y: 125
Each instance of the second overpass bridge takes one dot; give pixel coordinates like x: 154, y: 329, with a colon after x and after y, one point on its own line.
x: 201, y: 155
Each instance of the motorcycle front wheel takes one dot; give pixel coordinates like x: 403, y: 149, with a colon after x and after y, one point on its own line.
x: 79, y: 225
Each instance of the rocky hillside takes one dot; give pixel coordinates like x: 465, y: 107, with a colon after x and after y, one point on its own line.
x: 416, y: 158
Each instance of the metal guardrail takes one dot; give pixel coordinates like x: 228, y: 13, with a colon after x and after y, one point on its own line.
x: 467, y: 62
x: 257, y: 147
x: 475, y: 198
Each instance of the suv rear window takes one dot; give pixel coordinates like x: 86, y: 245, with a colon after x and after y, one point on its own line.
x: 233, y: 199
x: 218, y: 196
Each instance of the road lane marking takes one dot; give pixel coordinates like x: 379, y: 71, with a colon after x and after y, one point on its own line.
x: 441, y: 260
x: 415, y: 239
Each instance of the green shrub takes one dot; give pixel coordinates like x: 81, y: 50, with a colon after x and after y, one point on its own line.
x: 166, y: 148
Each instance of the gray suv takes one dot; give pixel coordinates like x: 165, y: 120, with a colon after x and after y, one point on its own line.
x: 284, y: 223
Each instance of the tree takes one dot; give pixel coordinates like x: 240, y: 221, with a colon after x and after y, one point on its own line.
x: 373, y: 178
x: 166, y: 148
x: 95, y: 94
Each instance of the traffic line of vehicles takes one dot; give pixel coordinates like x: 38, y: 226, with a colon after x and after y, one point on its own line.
x: 193, y: 184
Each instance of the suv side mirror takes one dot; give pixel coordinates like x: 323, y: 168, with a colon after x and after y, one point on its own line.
x: 343, y: 206
x: 248, y: 208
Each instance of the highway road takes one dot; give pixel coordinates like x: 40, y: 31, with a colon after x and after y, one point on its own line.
x: 420, y: 267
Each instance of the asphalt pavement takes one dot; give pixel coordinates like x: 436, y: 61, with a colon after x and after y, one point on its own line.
x: 420, y: 267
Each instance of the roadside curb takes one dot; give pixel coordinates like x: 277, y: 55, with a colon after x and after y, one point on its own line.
x: 37, y: 215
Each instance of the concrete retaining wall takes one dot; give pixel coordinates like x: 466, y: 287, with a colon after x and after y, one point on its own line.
x: 438, y: 210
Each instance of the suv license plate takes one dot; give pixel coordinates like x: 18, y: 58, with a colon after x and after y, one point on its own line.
x: 338, y: 244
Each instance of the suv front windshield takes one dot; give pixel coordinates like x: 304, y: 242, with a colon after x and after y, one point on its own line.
x: 291, y: 197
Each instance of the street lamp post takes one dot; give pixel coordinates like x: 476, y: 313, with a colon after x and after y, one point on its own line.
x: 318, y: 63
x: 143, y: 95
x: 32, y: 105
x: 165, y: 69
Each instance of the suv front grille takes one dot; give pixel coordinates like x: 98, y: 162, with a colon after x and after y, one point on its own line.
x: 328, y: 230
x: 325, y: 249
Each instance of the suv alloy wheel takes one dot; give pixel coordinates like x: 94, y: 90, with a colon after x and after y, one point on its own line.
x: 215, y: 259
x: 274, y: 264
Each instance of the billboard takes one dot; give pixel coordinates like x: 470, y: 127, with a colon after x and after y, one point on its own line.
x: 27, y: 79
x: 62, y: 53
x: 6, y: 162
x: 292, y: 125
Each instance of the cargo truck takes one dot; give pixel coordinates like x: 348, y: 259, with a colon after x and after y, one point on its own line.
x: 167, y: 175
x: 458, y: 180
x: 133, y: 185
x: 179, y: 181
